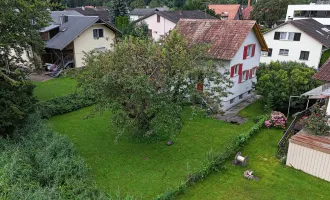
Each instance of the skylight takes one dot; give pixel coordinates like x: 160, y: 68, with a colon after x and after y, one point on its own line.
x: 326, y: 30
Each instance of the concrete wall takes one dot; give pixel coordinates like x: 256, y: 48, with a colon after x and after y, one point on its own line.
x: 292, y: 8
x: 85, y: 42
x: 311, y: 161
x: 306, y: 43
x: 158, y: 28
x: 244, y: 87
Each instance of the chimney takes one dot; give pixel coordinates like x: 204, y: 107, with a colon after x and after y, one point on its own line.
x: 64, y: 19
x: 249, y: 3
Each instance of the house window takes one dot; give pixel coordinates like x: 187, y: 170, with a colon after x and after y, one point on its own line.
x: 267, y: 53
x: 149, y: 32
x: 236, y: 70
x: 284, y: 52
x: 304, y: 55
x: 254, y: 70
x: 101, y: 49
x: 245, y: 75
x: 249, y: 51
x: 249, y: 92
x: 231, y: 101
x: 98, y: 33
x: 240, y: 96
x: 290, y: 36
x: 158, y: 18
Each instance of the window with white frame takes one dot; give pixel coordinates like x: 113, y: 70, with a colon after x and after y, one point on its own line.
x: 283, y: 35
x: 290, y: 36
x: 98, y: 33
x: 244, y: 78
x: 284, y: 52
x: 236, y: 70
x: 249, y: 51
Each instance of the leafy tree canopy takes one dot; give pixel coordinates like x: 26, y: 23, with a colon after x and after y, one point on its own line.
x: 117, y: 8
x: 145, y: 83
x: 280, y: 80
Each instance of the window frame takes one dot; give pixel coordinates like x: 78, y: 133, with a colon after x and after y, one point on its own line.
x: 279, y: 53
x: 236, y: 69
x: 240, y: 96
x: 244, y: 76
x: 305, y: 52
x: 97, y: 31
x: 158, y: 18
x: 231, y: 101
x: 249, y: 51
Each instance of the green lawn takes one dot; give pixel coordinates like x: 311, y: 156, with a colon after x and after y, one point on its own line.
x: 54, y: 88
x: 277, y: 181
x: 143, y: 170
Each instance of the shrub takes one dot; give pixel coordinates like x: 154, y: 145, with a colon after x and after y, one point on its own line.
x: 277, y: 120
x: 284, y: 79
x: 37, y: 163
x: 317, y: 122
x: 64, y: 104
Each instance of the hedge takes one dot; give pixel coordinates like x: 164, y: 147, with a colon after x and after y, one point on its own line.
x: 64, y: 104
x: 215, y: 162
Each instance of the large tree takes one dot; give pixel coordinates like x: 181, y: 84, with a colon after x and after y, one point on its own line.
x: 278, y: 81
x: 20, y: 45
x: 145, y: 83
x: 117, y: 8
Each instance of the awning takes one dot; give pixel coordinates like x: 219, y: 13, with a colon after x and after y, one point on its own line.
x: 320, y: 92
x: 314, y: 92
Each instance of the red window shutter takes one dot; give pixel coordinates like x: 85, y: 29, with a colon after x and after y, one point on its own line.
x: 253, y: 49
x: 232, y: 71
x: 245, y: 52
x: 240, y: 73
x: 247, y: 74
x: 251, y: 72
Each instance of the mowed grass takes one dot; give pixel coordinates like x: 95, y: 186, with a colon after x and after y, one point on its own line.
x: 54, y: 88
x: 144, y: 170
x: 276, y: 181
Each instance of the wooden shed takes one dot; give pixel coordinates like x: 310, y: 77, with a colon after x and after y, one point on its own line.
x: 310, y: 154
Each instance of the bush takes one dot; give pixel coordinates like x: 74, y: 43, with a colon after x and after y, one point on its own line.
x: 64, y: 104
x: 317, y: 122
x: 284, y: 79
x: 16, y: 100
x: 277, y: 120
x: 325, y: 56
x: 214, y: 161
x: 37, y: 163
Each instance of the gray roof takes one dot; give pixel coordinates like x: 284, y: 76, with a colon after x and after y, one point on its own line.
x: 72, y: 29
x: 312, y: 28
x: 175, y: 16
x: 48, y: 28
x: 55, y: 15
x: 146, y: 11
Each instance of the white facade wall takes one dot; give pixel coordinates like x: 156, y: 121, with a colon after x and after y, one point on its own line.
x: 292, y: 8
x: 306, y: 43
x: 244, y: 87
x: 311, y: 161
x: 134, y: 17
x: 159, y: 29
x: 85, y: 42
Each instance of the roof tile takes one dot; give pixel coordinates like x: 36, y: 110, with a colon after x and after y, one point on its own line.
x: 232, y: 9
x: 324, y: 73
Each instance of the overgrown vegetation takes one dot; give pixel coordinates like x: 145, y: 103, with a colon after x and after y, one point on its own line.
x: 36, y: 163
x: 317, y: 122
x: 325, y: 56
x: 278, y: 81
x: 145, y: 84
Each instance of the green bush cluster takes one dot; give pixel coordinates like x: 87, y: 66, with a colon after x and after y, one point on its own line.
x: 37, y: 163
x: 64, y: 104
x: 214, y: 161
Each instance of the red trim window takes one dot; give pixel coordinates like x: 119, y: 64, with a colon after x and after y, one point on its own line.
x: 234, y: 70
x: 249, y: 51
x: 158, y: 18
x: 251, y: 72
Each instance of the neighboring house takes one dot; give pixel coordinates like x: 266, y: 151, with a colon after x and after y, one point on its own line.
x: 299, y: 40
x: 228, y: 11
x: 162, y: 22
x: 69, y: 36
x: 100, y: 11
x: 319, y: 11
x: 235, y: 44
x: 137, y: 13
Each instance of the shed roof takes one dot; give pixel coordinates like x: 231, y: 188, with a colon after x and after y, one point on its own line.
x: 175, y: 16
x: 319, y: 143
x: 324, y: 73
x: 312, y: 28
x: 224, y: 36
x: 232, y: 9
x: 72, y: 29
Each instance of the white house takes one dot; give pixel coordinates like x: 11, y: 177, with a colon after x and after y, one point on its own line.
x: 320, y: 11
x: 234, y: 44
x: 69, y: 36
x: 162, y: 22
x: 138, y: 13
x: 298, y: 40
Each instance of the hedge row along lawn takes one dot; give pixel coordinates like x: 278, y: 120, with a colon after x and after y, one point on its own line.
x: 144, y: 170
x: 56, y: 87
x: 276, y: 181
